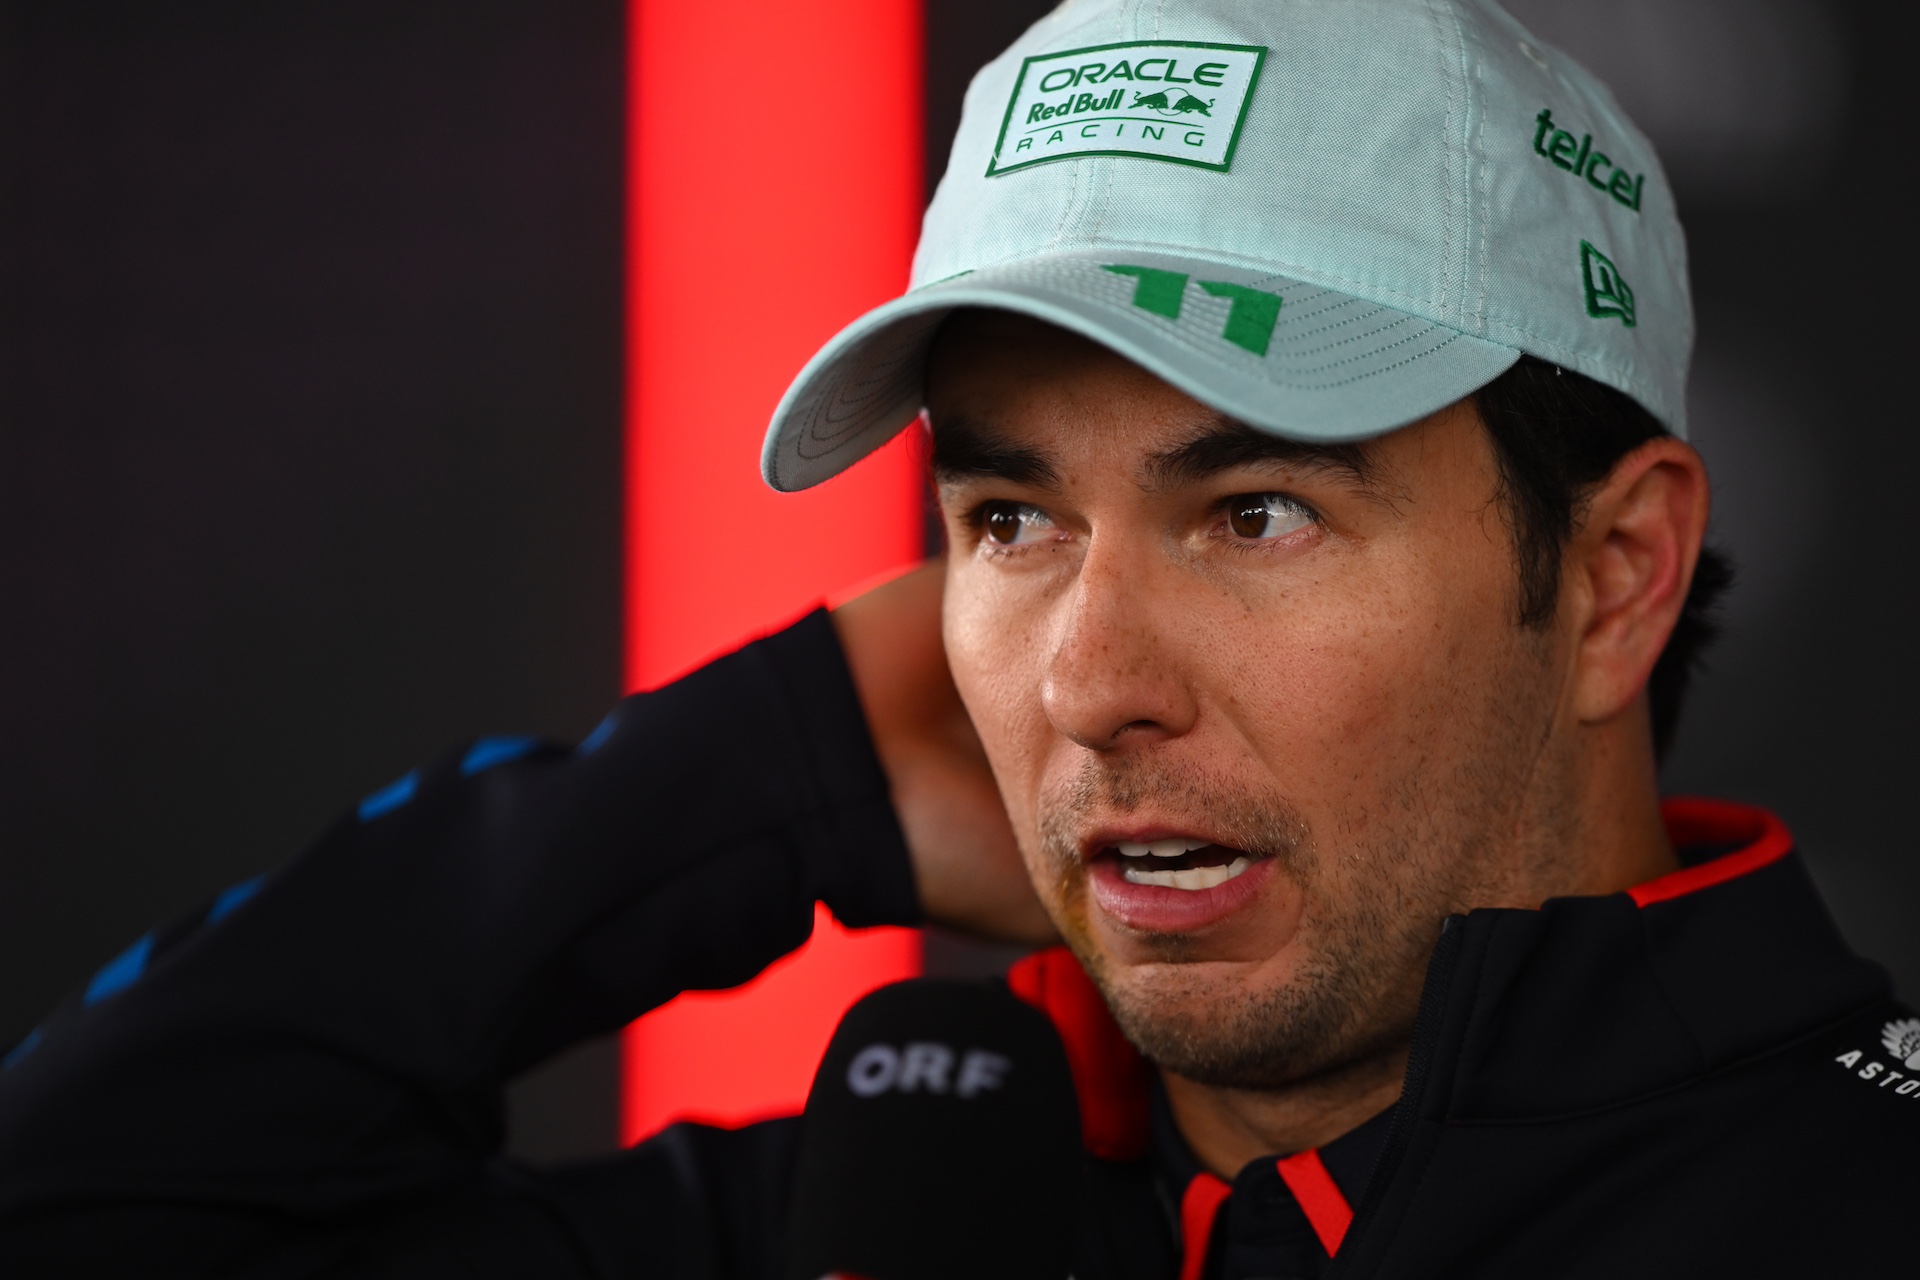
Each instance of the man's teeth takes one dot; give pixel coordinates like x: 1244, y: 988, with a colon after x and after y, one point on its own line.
x: 1191, y: 878
x: 1160, y: 848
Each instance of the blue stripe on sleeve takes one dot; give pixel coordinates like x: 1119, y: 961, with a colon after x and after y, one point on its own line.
x: 21, y: 1050
x: 489, y: 752
x: 121, y: 972
x: 598, y: 738
x: 390, y: 797
x: 231, y: 897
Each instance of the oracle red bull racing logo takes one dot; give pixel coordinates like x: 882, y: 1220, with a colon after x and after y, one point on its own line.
x: 1183, y: 102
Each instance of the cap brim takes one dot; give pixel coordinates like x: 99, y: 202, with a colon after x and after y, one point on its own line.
x: 1328, y: 367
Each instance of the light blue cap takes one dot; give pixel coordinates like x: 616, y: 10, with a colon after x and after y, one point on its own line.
x: 1324, y: 218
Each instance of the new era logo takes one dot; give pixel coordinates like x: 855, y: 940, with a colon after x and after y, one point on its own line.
x: 1607, y: 294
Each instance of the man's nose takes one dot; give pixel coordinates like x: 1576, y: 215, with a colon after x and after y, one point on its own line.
x: 1113, y: 678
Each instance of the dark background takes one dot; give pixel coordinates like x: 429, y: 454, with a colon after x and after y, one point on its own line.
x: 310, y: 396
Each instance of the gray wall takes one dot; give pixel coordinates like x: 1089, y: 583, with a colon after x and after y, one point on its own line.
x: 309, y: 428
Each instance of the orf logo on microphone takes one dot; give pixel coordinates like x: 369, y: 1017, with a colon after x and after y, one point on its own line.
x: 958, y: 1066
x: 925, y: 1066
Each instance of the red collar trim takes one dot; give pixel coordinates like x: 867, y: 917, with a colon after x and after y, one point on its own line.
x: 1313, y: 1188
x: 1111, y: 1077
x: 1319, y: 1197
x: 1109, y: 1074
x: 1763, y: 837
x: 1199, y: 1210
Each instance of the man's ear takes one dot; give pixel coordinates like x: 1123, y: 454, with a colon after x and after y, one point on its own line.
x: 1628, y: 570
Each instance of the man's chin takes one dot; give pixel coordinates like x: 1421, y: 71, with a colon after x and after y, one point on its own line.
x: 1236, y: 1024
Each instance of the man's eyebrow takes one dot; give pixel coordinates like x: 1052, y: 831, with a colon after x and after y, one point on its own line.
x: 1226, y: 444
x: 967, y: 450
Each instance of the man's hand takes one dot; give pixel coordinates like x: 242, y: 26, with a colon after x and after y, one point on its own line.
x: 965, y: 863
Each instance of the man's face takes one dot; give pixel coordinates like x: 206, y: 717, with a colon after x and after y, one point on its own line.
x: 1298, y: 672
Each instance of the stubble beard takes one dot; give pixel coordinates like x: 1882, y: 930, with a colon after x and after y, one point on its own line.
x: 1352, y: 995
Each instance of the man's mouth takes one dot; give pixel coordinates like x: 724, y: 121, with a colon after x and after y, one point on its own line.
x: 1172, y: 884
x: 1179, y: 863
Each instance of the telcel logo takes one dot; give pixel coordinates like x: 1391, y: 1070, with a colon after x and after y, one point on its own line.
x: 925, y: 1065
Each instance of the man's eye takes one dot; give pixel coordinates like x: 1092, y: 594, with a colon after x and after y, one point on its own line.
x: 1266, y: 515
x: 1010, y: 523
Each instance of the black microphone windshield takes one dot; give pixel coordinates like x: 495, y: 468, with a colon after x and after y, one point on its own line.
x: 941, y: 1142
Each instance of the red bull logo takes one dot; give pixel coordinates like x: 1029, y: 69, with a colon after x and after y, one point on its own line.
x: 1185, y: 105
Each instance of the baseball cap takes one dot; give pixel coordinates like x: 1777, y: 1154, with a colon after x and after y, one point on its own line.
x: 1324, y: 218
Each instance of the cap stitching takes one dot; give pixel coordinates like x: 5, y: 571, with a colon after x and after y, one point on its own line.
x: 1193, y: 344
x: 1354, y: 359
x: 1208, y: 351
x: 1106, y: 196
x: 1446, y: 276
x: 1350, y: 339
x: 1307, y: 310
x: 1479, y: 65
x: 869, y: 382
x: 862, y: 427
x: 1361, y: 377
x: 1066, y: 206
x: 1341, y: 324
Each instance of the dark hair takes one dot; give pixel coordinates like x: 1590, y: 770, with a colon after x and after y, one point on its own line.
x: 1556, y: 436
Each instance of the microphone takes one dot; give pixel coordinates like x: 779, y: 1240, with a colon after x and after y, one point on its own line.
x: 941, y: 1141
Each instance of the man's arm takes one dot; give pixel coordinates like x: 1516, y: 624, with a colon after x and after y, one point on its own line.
x: 965, y: 862
x: 308, y: 1077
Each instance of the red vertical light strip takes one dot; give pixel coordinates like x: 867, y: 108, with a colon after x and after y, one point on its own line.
x: 774, y: 187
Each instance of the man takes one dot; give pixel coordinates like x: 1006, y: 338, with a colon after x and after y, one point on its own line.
x: 1305, y: 386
